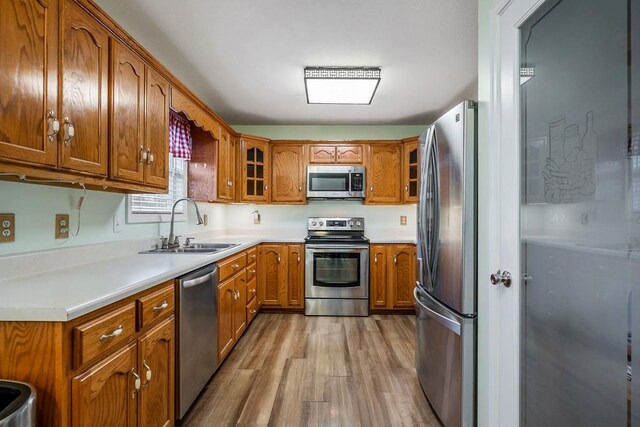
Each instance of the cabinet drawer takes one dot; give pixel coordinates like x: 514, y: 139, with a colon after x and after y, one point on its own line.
x: 252, y: 288
x: 95, y: 337
x: 156, y: 305
x: 251, y: 272
x: 252, y: 256
x: 231, y: 265
x: 252, y: 310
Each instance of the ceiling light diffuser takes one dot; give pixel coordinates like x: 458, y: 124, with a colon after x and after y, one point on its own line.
x: 341, y: 85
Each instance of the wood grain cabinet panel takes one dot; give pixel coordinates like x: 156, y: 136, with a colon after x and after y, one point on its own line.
x: 240, y: 305
x: 225, y: 163
x: 226, y: 299
x: 156, y: 361
x: 410, y: 170
x: 84, y: 81
x: 105, y: 395
x: 156, y: 129
x: 272, y: 275
x: 384, y: 175
x: 255, y: 169
x: 349, y: 154
x: 28, y: 81
x: 288, y: 173
x: 378, y: 276
x: 296, y: 276
x: 319, y: 154
x: 402, y: 272
x: 155, y: 305
x: 128, y: 154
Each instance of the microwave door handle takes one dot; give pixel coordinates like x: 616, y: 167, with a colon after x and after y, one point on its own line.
x: 349, y: 174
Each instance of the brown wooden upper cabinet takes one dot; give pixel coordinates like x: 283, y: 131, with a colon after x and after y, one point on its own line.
x: 410, y: 170
x: 288, y: 173
x: 255, y: 169
x: 84, y: 103
x: 384, y: 174
x: 226, y: 165
x: 28, y: 81
x: 139, y: 120
x: 331, y: 153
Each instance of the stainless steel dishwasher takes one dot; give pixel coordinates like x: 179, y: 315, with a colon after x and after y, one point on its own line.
x: 197, y: 341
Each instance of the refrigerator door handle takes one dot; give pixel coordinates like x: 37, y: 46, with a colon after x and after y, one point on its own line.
x: 425, y: 235
x: 445, y: 321
x: 436, y: 201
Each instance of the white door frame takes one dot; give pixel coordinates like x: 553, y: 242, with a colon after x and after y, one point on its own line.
x: 504, y: 210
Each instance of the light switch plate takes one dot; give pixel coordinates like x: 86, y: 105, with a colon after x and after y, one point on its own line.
x: 62, y: 226
x: 117, y: 223
x: 403, y: 220
x: 7, y: 227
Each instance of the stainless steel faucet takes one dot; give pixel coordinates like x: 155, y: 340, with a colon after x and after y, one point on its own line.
x: 174, y: 241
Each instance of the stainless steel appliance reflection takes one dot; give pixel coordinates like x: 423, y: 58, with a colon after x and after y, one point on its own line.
x: 445, y: 295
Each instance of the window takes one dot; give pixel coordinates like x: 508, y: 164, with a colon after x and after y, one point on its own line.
x: 157, y: 207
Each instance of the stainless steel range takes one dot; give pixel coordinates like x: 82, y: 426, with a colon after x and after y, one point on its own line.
x: 337, y: 268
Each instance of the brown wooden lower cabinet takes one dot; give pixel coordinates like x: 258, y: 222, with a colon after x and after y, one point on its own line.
x: 392, y: 276
x: 103, y: 389
x: 281, y: 275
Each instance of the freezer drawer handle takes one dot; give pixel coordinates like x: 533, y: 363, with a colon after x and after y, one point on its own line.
x: 443, y: 320
x: 503, y: 277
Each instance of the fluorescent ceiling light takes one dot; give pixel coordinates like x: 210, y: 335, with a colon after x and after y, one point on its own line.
x: 341, y: 85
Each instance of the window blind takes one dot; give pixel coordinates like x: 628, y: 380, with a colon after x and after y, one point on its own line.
x: 162, y: 203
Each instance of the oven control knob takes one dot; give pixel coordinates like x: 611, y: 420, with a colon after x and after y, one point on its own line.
x: 313, y: 223
x: 321, y: 223
x: 358, y: 223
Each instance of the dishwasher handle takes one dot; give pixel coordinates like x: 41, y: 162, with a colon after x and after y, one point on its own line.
x: 198, y: 281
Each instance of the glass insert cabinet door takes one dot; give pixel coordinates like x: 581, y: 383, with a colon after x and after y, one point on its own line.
x: 255, y: 170
x: 580, y: 214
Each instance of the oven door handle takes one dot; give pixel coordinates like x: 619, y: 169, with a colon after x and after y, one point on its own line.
x: 336, y: 248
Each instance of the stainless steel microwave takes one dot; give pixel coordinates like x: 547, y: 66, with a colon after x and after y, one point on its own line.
x: 335, y: 182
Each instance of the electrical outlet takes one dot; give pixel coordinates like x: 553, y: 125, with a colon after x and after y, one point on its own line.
x: 403, y: 220
x: 117, y: 223
x: 205, y: 220
x: 62, y: 226
x: 7, y: 227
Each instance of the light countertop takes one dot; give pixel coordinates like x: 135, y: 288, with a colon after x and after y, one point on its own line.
x: 67, y: 293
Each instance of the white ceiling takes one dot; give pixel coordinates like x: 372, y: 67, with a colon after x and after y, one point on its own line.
x: 245, y: 58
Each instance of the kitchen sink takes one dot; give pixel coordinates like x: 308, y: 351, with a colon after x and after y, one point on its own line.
x: 195, y: 248
x: 17, y: 404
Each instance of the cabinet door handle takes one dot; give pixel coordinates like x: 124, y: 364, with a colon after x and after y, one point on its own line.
x: 70, y: 131
x: 278, y: 259
x: 148, y: 375
x: 113, y: 334
x: 266, y: 187
x: 143, y: 155
x: 371, y: 188
x: 299, y: 187
x: 160, y: 307
x: 149, y: 157
x: 298, y: 258
x: 252, y: 312
x: 395, y: 259
x: 375, y: 259
x: 406, y: 188
x: 54, y: 126
x: 137, y: 383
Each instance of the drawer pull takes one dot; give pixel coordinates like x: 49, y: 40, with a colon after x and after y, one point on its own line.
x: 253, y: 272
x: 253, y: 291
x: 113, y: 334
x: 252, y: 256
x: 137, y: 383
x: 252, y: 312
x: 160, y: 307
x: 235, y: 266
x: 144, y: 363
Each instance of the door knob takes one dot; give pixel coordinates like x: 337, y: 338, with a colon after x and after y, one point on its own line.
x: 503, y: 277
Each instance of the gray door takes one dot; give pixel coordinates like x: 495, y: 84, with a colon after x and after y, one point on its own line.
x: 580, y: 206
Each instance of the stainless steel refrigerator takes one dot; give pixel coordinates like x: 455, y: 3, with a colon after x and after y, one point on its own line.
x: 445, y: 294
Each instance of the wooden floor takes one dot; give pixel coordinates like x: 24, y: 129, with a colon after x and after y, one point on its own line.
x: 292, y: 370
